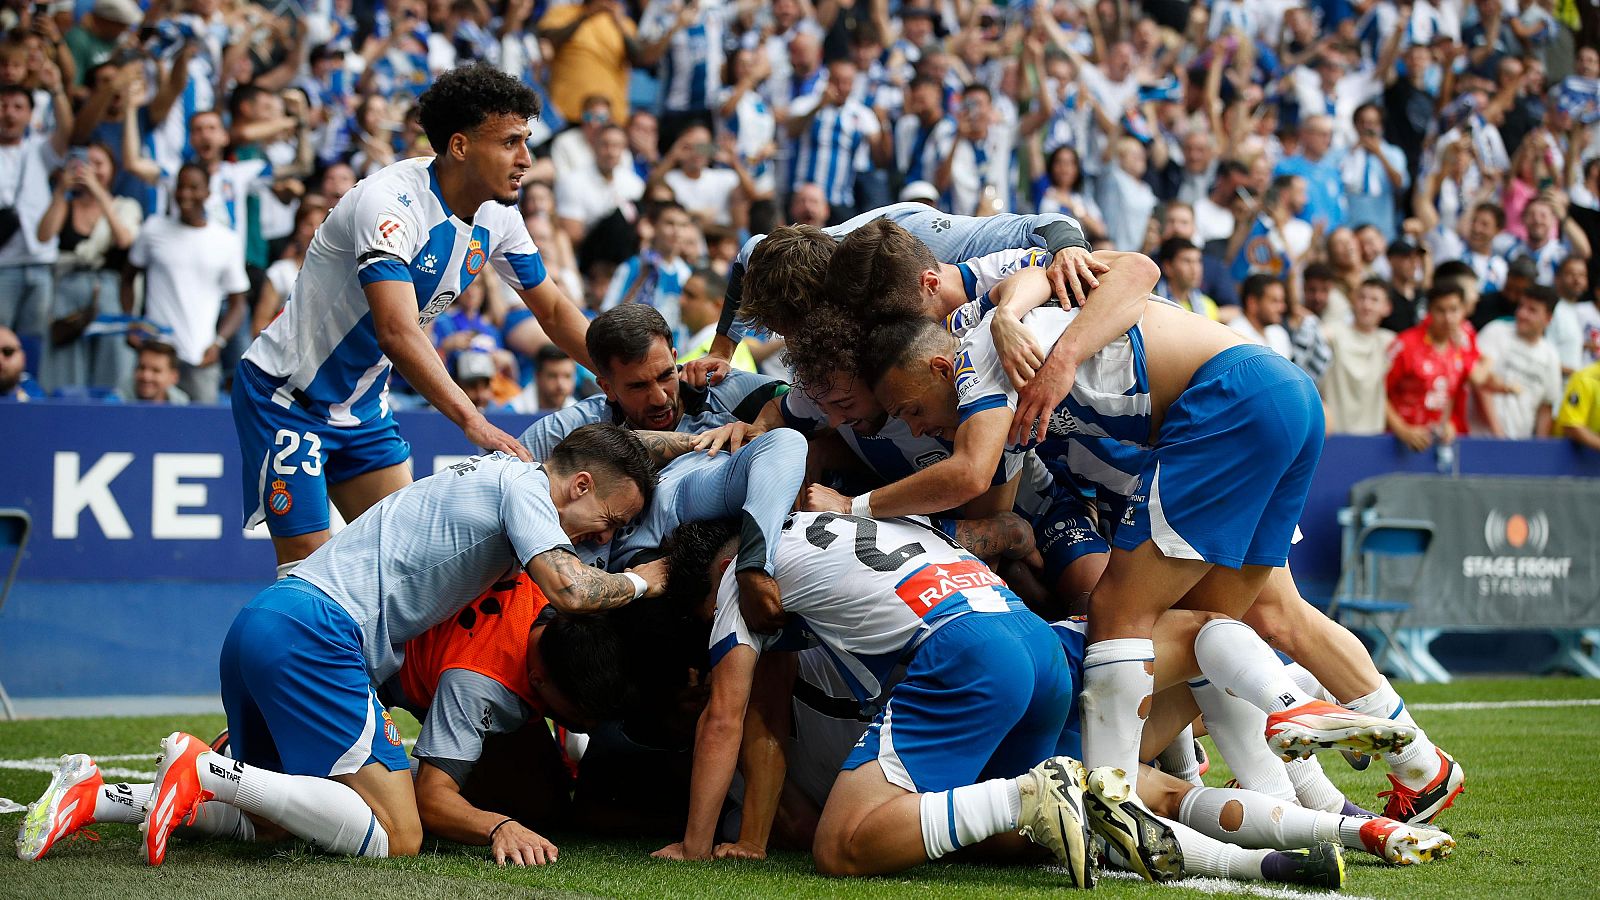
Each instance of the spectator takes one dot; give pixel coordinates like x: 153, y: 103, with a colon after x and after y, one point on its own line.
x: 93, y: 231
x: 1345, y: 268
x: 1486, y: 223
x: 594, y: 43
x: 1191, y: 177
x: 1575, y: 325
x: 193, y: 266
x: 278, y: 285
x: 1353, y: 385
x: 1181, y: 271
x: 1371, y: 243
x: 1263, y: 305
x: 746, y: 115
x: 1408, y: 269
x: 642, y: 131
x: 337, y: 180
x: 584, y: 197
x: 830, y: 129
x: 702, y: 308
x: 683, y: 40
x: 1429, y: 369
x: 924, y: 135
x: 1323, y: 295
x: 1522, y: 358
x: 1316, y: 165
x: 722, y: 246
x: 719, y: 196
x: 808, y: 205
x: 555, y: 245
x: 1552, y: 237
x: 975, y: 174
x: 1277, y: 236
x: 16, y: 385
x: 474, y: 372
x: 656, y: 275
x: 98, y: 33
x: 1374, y: 174
x: 26, y: 162
x: 1213, y: 213
x: 1578, y: 419
x: 1309, y: 347
x: 155, y: 376
x: 1501, y: 304
x: 575, y: 151
x: 555, y: 375
x: 1060, y: 190
x: 1127, y: 200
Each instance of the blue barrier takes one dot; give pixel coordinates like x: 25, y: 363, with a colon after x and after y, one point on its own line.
x: 138, y: 562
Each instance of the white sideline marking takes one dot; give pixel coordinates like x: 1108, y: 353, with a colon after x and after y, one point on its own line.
x: 1501, y: 704
x: 1209, y: 885
x: 49, y: 763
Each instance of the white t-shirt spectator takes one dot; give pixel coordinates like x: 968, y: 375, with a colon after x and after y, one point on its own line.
x: 981, y: 165
x: 589, y: 197
x: 1127, y: 203
x: 1275, y: 337
x: 1575, y: 333
x: 1114, y: 97
x: 707, y: 197
x: 1534, y: 368
x: 1352, y: 386
x: 25, y: 169
x: 188, y: 273
x: 1212, y: 222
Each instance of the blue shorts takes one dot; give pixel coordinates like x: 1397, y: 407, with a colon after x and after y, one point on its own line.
x: 296, y: 689
x: 1074, y: 636
x: 986, y: 696
x: 1065, y: 532
x: 291, y: 456
x: 1228, y: 477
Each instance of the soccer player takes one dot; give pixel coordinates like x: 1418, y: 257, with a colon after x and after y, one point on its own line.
x: 636, y: 368
x: 1220, y: 418
x: 310, y: 400
x: 315, y: 754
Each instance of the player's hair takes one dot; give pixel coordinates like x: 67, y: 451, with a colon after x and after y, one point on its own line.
x: 690, y: 552
x: 1544, y: 296
x: 783, y: 277
x: 1493, y: 209
x: 609, y: 453
x: 165, y: 351
x: 896, y: 343
x: 1448, y: 288
x: 547, y: 354
x: 1171, y: 247
x: 586, y: 661
x: 877, y: 271
x: 1319, y: 271
x: 712, y: 282
x: 624, y: 334
x: 462, y: 99
x: 1256, y: 286
x: 827, y: 349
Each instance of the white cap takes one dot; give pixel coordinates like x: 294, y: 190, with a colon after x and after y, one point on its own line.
x: 123, y: 12
x: 471, y: 365
x: 919, y: 190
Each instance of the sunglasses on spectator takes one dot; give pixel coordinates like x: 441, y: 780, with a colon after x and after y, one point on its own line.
x: 596, y: 118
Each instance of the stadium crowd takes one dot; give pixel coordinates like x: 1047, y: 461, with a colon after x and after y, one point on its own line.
x: 1356, y: 156
x: 1094, y: 284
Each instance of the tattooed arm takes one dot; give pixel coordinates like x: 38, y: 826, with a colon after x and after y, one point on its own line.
x: 666, y: 446
x: 573, y: 587
x: 1004, y: 535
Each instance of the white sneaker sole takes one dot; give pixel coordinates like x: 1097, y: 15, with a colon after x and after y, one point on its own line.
x: 1065, y: 829
x: 1414, y: 848
x: 39, y: 822
x: 1298, y: 739
x: 1147, y: 844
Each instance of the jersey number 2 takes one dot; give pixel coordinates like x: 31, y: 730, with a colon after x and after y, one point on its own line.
x: 290, y: 442
x: 866, y: 542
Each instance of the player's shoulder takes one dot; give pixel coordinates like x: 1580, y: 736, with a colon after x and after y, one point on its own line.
x: 547, y: 431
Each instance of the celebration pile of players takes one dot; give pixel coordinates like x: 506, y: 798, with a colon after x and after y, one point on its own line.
x: 1014, y: 532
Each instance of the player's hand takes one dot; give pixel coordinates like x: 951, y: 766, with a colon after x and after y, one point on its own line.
x: 654, y: 574
x: 705, y: 371
x: 1038, y: 400
x: 1019, y: 352
x: 1074, y: 268
x: 521, y: 846
x: 674, y: 851
x: 731, y: 436
x: 483, y: 434
x: 740, y: 850
x: 759, y: 601
x: 817, y: 498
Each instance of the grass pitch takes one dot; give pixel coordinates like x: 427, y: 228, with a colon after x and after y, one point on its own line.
x: 1528, y: 827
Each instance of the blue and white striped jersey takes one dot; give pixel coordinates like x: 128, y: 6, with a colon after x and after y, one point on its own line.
x: 428, y: 549
x: 691, y: 69
x: 1110, y: 398
x: 322, y: 351
x: 826, y: 153
x: 754, y: 127
x: 919, y: 149
x: 866, y: 589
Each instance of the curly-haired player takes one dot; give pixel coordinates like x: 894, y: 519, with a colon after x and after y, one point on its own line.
x: 310, y: 401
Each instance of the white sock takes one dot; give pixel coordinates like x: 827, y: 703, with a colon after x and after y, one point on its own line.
x: 121, y: 803
x: 287, y: 569
x: 1235, y: 658
x: 1266, y: 822
x: 219, y: 820
x: 965, y: 815
x: 1203, y: 855
x: 1418, y: 763
x: 1312, y: 787
x: 1236, y: 728
x: 329, y: 815
x: 1307, y: 682
x: 1118, y: 681
x: 1178, y: 760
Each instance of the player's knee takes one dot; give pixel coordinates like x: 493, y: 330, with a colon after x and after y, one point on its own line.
x: 833, y: 857
x: 1275, y: 625
x: 405, y: 839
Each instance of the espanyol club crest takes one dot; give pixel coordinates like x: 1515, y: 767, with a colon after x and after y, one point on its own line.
x: 475, y: 257
x: 391, y: 731
x: 280, y: 500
